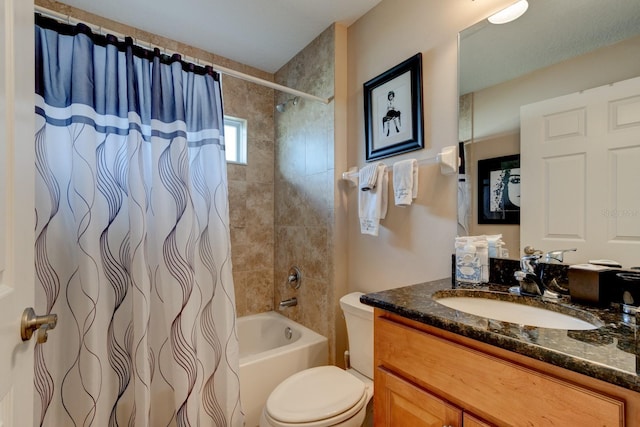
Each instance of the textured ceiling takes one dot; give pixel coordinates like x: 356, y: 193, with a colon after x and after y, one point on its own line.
x: 264, y: 34
x: 549, y: 32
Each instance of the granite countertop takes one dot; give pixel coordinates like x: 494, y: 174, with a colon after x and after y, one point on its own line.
x: 610, y: 353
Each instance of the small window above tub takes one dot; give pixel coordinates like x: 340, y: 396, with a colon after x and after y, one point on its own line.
x: 235, y: 140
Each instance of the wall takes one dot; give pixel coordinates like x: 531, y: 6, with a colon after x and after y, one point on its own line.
x: 415, y: 243
x: 251, y: 194
x: 496, y: 109
x: 251, y: 198
x: 304, y: 186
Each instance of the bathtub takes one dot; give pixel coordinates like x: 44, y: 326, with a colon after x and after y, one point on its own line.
x: 272, y: 348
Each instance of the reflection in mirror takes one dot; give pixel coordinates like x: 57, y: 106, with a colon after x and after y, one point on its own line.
x: 556, y: 48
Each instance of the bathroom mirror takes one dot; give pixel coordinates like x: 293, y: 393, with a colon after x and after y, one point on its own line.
x: 556, y: 48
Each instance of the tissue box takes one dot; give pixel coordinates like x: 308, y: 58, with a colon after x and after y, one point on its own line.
x: 589, y: 284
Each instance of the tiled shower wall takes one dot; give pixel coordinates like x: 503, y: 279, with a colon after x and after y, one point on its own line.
x: 251, y: 194
x: 304, y: 187
x: 251, y: 198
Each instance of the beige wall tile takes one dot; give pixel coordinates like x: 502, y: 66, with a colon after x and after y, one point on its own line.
x: 303, y: 198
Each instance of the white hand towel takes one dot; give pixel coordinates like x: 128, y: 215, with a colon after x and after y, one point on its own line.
x: 372, y: 204
x: 367, y: 176
x: 405, y: 181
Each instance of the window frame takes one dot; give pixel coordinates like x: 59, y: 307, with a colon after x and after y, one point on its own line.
x: 240, y: 143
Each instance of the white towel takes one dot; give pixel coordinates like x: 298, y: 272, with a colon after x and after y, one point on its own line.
x: 405, y: 181
x: 372, y: 204
x: 367, y: 176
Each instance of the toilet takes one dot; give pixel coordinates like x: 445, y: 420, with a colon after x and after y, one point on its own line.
x: 327, y: 395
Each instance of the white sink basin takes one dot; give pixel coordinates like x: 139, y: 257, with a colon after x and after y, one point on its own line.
x: 521, y: 314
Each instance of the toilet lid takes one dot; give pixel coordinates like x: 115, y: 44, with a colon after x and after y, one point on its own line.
x: 315, y: 394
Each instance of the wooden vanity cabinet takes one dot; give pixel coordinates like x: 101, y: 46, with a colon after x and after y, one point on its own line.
x: 426, y: 376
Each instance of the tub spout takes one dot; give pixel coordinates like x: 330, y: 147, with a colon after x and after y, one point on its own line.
x: 288, y: 302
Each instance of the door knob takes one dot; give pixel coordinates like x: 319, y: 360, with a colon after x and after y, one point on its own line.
x: 31, y: 323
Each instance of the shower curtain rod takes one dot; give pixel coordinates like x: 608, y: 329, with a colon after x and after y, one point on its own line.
x: 223, y: 70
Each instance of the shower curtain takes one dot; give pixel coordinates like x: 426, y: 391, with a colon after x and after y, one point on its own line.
x: 132, y: 248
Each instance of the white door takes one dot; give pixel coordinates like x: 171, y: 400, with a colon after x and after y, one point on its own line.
x: 580, y: 170
x: 16, y: 208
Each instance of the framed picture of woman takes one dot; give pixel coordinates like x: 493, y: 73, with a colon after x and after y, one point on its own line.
x: 393, y: 110
x: 499, y: 190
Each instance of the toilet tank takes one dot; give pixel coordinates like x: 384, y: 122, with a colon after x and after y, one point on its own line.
x: 359, y: 319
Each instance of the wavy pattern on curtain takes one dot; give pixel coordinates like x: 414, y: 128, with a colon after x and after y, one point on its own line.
x: 132, y: 248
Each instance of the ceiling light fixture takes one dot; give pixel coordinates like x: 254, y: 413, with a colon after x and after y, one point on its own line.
x: 510, y: 13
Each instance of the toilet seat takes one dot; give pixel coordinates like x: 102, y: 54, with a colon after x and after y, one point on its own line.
x: 320, y: 396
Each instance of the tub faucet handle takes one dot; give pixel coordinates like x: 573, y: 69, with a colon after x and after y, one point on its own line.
x: 294, y: 277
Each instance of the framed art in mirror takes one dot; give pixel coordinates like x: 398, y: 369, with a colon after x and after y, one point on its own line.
x: 499, y: 190
x: 393, y: 110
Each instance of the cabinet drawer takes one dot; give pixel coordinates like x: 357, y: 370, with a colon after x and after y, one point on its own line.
x: 499, y: 391
x: 469, y: 420
x: 404, y: 404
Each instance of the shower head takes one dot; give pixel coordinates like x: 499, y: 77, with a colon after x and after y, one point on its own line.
x: 283, y: 106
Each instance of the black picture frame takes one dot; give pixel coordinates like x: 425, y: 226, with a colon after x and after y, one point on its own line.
x: 393, y: 119
x: 499, y: 190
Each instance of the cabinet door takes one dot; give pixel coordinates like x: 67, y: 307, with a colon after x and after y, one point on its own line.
x: 469, y: 420
x: 401, y: 403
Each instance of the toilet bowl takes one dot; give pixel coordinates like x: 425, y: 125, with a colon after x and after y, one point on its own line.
x: 328, y: 396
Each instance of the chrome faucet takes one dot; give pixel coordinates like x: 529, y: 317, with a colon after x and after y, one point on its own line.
x: 288, y: 302
x: 528, y: 278
x: 531, y: 275
x: 557, y: 256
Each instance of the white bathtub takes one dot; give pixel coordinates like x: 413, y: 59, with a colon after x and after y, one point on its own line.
x: 267, y: 357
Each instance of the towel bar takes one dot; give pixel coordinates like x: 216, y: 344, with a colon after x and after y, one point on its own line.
x: 447, y: 158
